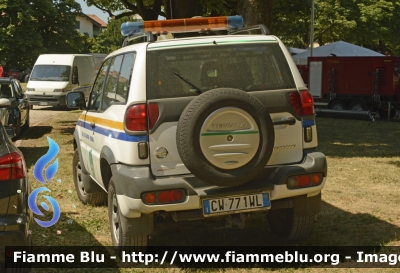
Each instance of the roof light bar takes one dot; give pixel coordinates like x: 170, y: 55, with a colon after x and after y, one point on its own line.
x: 182, y: 25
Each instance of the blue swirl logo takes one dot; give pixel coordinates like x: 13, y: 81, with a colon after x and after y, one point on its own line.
x: 49, y: 173
x: 44, y: 160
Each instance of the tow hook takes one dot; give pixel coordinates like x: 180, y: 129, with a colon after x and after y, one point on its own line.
x: 238, y: 220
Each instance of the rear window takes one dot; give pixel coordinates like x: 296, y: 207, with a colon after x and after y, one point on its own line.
x: 249, y: 67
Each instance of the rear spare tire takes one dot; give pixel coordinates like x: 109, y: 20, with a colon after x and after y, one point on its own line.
x: 225, y: 137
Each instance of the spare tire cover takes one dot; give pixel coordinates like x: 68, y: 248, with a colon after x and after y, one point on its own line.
x: 225, y: 137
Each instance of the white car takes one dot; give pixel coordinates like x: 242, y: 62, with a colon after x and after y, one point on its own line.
x: 198, y: 127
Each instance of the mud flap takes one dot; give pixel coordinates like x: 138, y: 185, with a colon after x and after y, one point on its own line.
x: 133, y: 227
x: 307, y: 206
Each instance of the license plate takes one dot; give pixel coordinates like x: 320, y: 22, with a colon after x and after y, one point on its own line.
x: 43, y: 103
x: 236, y: 204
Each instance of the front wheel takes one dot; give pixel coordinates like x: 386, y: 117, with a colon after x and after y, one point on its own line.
x: 95, y: 198
x: 384, y: 113
x: 288, y: 225
x: 119, y: 226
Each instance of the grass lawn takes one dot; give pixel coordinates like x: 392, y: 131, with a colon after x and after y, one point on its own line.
x: 360, y: 201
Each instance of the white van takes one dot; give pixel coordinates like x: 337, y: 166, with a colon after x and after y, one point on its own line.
x: 54, y: 75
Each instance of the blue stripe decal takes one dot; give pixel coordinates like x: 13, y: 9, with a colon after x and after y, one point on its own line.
x: 113, y: 134
x: 266, y: 202
x: 308, y: 123
x: 206, y: 205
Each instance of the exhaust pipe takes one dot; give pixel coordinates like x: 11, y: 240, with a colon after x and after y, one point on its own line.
x: 160, y: 217
x: 345, y: 114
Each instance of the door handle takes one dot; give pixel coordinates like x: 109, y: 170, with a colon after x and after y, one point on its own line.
x: 288, y: 121
x: 92, y: 124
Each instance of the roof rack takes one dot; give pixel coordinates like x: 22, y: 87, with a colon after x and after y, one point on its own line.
x: 264, y: 30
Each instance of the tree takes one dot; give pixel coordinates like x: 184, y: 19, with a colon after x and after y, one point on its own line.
x: 30, y: 28
x: 111, y: 39
x: 20, y: 43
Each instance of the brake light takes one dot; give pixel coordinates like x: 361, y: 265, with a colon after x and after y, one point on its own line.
x: 307, y: 102
x: 136, y: 118
x: 12, y: 167
x: 295, y: 102
x: 182, y: 25
x: 302, y: 102
x: 153, y: 114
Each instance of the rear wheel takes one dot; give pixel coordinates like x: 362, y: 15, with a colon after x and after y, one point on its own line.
x: 358, y: 105
x: 338, y: 105
x: 288, y: 225
x: 119, y: 225
x: 384, y: 113
x: 95, y: 198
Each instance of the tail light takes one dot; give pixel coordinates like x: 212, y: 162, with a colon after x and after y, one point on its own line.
x: 302, y: 102
x: 164, y: 197
x: 12, y: 167
x: 304, y: 181
x: 137, y: 115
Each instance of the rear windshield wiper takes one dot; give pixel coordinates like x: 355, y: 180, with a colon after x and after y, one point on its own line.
x: 198, y: 90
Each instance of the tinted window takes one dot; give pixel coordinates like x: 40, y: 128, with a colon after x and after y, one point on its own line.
x: 51, y: 73
x: 110, y: 88
x: 249, y: 67
x: 6, y: 90
x: 124, y: 77
x: 117, y: 86
x: 95, y: 95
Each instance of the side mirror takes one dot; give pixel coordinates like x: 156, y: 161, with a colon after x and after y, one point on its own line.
x: 75, y: 100
x: 10, y: 131
x: 5, y: 103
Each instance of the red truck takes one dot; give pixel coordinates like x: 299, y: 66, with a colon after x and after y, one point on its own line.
x: 355, y: 83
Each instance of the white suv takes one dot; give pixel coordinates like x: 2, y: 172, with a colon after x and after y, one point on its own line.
x: 197, y: 127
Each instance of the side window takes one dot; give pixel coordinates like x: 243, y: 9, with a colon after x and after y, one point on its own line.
x: 75, y: 78
x: 110, y: 88
x: 124, y: 77
x: 95, y: 95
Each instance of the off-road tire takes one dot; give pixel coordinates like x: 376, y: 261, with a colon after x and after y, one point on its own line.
x: 121, y: 241
x: 288, y: 225
x: 189, y: 135
x: 95, y: 198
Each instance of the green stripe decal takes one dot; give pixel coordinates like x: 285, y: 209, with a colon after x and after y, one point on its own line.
x: 230, y: 133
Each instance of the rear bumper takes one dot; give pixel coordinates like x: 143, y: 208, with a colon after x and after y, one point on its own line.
x: 131, y: 182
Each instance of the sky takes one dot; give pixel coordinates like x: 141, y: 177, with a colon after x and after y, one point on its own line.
x: 93, y: 10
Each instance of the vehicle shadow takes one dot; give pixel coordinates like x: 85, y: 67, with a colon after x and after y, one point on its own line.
x: 32, y: 151
x: 68, y: 236
x: 36, y: 132
x: 332, y: 227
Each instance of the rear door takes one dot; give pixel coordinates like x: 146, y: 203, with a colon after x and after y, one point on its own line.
x: 257, y: 67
